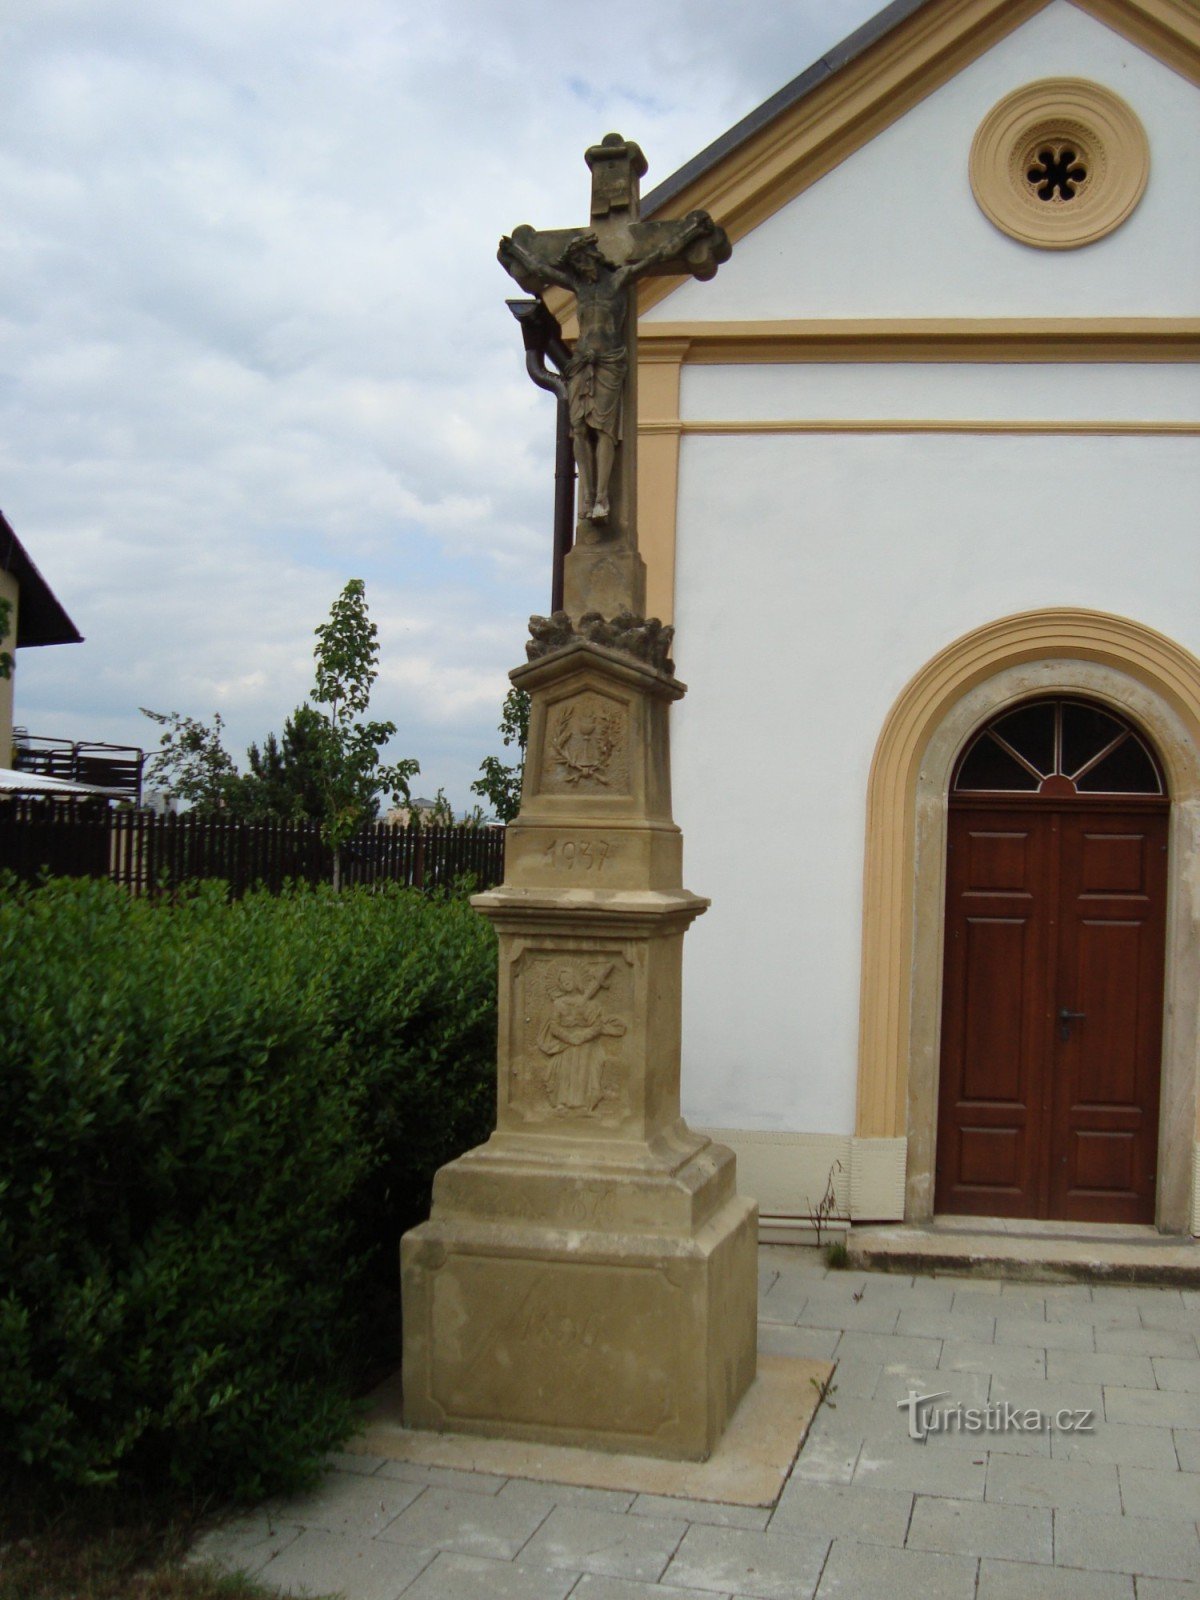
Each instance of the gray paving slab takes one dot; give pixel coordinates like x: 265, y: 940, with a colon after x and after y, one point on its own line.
x: 527, y: 1493
x: 1044, y: 1335
x: 968, y: 1388
x: 767, y: 1566
x: 1102, y: 1314
x: 612, y: 1546
x: 843, y: 1511
x: 973, y: 1326
x: 870, y: 1316
x: 856, y: 1570
x: 1011, y: 1360
x: 455, y: 1577
x: 857, y: 1379
x: 707, y: 1511
x: 1147, y: 1342
x: 362, y: 1568
x: 1118, y: 1442
x: 1032, y: 1481
x: 1023, y: 1300
x: 1187, y: 1448
x: 1047, y: 1395
x: 1142, y: 1545
x: 785, y: 1339
x: 1170, y: 1372
x: 1166, y: 1589
x: 591, y: 1587
x: 443, y: 1477
x: 1141, y: 1294
x: 1072, y: 1366
x: 471, y: 1524
x: 960, y: 1474
x: 888, y: 1350
x: 975, y: 1528
x: 784, y: 1301
x: 1147, y: 1493
x: 1013, y: 1580
x: 1155, y: 1408
x: 1177, y: 1317
x: 243, y: 1544
x: 346, y: 1502
x: 827, y: 1460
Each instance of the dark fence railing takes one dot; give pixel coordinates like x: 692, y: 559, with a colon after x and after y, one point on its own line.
x: 149, y: 854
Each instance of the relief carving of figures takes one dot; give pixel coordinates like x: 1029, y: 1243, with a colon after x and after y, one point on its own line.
x: 574, y: 1039
x: 583, y: 741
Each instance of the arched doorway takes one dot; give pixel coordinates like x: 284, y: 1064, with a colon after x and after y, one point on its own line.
x: 1052, y: 999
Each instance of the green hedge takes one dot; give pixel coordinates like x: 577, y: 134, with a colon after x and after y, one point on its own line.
x: 216, y: 1119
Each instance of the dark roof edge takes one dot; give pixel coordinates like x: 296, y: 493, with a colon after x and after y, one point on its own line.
x: 853, y: 45
x: 41, y: 618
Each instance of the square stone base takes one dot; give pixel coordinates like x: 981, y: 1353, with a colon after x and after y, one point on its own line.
x: 635, y: 1342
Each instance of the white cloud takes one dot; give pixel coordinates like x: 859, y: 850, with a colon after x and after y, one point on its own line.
x: 254, y: 336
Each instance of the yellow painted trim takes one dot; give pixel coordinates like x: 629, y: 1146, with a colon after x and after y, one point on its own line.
x: 868, y: 94
x: 1168, y: 29
x: 927, y: 339
x: 917, y: 425
x: 841, y: 114
x: 1165, y: 667
x: 659, y: 428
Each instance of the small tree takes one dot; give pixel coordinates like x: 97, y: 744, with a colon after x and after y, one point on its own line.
x: 497, y: 783
x: 351, y: 770
x: 285, y: 775
x: 192, y: 763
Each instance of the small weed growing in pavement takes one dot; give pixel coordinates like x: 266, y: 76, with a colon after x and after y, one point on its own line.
x: 837, y: 1256
x: 825, y: 1387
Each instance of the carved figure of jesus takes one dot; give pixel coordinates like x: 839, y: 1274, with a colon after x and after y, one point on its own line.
x: 595, y: 374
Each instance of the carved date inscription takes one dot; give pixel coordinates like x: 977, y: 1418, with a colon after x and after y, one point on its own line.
x: 578, y: 855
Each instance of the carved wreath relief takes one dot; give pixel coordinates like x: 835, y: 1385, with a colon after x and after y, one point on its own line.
x: 569, y: 1066
x: 585, y: 747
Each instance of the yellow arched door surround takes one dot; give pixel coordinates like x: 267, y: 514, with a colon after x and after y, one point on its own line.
x: 1150, y: 679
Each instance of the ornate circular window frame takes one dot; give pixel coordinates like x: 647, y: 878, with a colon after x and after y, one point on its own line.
x: 1099, y: 161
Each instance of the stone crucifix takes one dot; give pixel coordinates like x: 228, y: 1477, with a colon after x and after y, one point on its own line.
x: 600, y: 265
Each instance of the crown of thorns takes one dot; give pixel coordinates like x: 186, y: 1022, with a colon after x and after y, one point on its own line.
x: 583, y: 244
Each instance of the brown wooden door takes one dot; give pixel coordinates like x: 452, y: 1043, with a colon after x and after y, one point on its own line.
x: 1051, y: 909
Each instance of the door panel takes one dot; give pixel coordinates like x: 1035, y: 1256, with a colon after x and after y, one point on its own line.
x: 1112, y: 877
x: 997, y: 929
x: 1050, y: 909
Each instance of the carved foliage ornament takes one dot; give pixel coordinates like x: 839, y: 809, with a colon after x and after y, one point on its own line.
x: 1059, y: 163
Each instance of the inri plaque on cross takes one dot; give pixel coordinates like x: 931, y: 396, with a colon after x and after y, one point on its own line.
x: 600, y: 265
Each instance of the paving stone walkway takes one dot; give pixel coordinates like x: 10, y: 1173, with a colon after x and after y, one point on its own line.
x: 1106, y: 1514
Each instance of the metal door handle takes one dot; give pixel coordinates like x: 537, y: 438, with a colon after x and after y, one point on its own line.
x: 1065, y: 1019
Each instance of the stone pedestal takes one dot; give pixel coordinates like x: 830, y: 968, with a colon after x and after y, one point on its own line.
x: 588, y: 1276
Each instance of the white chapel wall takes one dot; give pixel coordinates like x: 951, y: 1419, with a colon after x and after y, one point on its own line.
x: 894, y: 231
x: 815, y: 575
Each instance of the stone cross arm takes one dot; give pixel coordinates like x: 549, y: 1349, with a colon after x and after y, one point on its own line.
x: 694, y: 244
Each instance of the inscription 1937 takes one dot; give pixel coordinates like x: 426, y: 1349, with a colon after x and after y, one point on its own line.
x: 583, y: 855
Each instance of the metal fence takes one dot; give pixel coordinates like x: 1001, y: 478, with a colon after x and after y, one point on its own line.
x: 151, y: 854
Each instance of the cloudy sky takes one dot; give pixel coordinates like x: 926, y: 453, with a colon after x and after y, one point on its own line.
x: 254, y: 335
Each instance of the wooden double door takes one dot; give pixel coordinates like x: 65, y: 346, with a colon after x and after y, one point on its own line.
x: 1052, y: 1012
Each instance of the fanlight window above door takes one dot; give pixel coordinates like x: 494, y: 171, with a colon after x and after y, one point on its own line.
x: 1058, y: 748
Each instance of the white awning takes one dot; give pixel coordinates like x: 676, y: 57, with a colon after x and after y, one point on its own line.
x: 14, y: 782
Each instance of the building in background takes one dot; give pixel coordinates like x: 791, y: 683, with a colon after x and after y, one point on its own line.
x: 35, y: 617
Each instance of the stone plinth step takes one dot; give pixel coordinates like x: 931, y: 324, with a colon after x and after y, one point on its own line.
x: 1034, y: 1251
